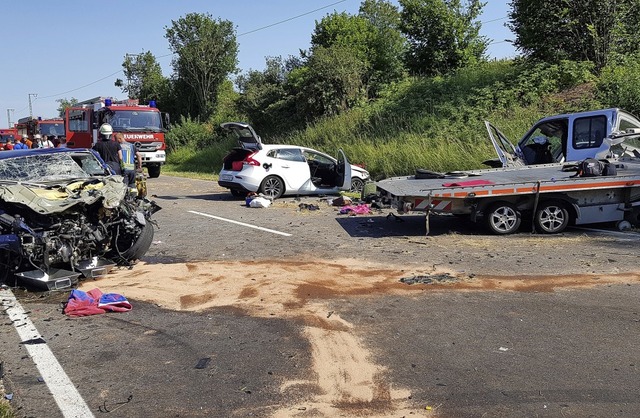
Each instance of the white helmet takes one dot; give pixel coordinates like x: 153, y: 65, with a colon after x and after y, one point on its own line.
x: 106, y: 129
x: 38, y: 136
x: 24, y: 136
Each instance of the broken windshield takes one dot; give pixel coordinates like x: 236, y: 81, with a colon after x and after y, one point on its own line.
x: 47, y: 167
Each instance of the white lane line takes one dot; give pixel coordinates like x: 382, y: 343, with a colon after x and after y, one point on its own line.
x: 240, y: 223
x: 64, y: 392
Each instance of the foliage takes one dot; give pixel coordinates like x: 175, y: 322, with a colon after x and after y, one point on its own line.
x: 206, y: 52
x: 443, y: 35
x: 619, y: 85
x: 387, y: 45
x: 64, y: 104
x: 330, y: 83
x: 579, y: 30
x: 188, y: 134
x: 145, y: 81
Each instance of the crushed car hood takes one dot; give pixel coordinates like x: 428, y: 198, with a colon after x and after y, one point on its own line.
x: 59, y: 198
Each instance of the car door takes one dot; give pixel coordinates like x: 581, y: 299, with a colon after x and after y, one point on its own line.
x: 343, y: 169
x: 507, y: 154
x: 289, y: 164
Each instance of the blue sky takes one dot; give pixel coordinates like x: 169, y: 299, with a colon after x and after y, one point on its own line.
x: 75, y: 48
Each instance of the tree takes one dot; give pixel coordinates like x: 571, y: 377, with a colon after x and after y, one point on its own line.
x: 443, y: 35
x: 206, y: 54
x: 578, y: 30
x: 387, y: 45
x: 145, y: 81
x: 330, y: 83
x: 65, y: 104
x: 374, y: 38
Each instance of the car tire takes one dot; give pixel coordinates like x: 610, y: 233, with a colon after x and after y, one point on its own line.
x: 502, y: 218
x: 272, y: 186
x: 357, y: 184
x: 141, y: 245
x: 552, y: 217
x: 154, y: 171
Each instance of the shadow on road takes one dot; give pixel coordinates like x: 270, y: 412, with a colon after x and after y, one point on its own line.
x: 406, y: 225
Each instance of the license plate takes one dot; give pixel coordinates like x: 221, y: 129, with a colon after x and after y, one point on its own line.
x: 226, y: 177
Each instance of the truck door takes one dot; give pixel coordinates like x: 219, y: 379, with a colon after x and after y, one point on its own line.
x: 79, y: 129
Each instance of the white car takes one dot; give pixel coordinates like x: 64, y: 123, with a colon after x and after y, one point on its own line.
x: 277, y: 170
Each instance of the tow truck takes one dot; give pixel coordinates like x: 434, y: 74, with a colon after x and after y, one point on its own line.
x: 540, y: 183
x: 142, y: 125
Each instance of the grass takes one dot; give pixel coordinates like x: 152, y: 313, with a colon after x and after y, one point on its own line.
x: 6, y: 411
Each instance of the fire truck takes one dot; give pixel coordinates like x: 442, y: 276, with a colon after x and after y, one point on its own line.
x: 6, y: 134
x: 53, y: 128
x: 142, y: 125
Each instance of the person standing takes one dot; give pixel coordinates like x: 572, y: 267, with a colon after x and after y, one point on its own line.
x: 37, y: 141
x: 9, y: 145
x: 131, y: 159
x: 20, y: 144
x: 46, y: 142
x: 27, y: 141
x: 109, y: 150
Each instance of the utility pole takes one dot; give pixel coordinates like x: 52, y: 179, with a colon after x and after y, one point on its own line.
x: 30, y: 110
x: 9, y: 116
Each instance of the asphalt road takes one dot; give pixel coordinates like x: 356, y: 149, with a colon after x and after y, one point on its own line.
x: 528, y: 325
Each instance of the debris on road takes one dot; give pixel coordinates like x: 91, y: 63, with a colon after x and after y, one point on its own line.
x: 429, y: 279
x: 94, y: 302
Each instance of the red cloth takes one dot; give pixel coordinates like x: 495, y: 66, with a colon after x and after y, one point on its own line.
x: 95, y: 302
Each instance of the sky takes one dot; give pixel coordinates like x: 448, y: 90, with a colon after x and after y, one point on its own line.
x: 75, y: 49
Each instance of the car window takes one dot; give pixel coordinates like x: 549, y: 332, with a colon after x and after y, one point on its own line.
x: 289, y: 154
x: 589, y: 132
x: 318, y: 157
x: 554, y: 132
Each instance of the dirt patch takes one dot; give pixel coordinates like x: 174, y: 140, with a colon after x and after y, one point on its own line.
x: 343, y: 369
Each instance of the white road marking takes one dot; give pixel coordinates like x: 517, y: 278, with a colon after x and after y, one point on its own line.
x: 64, y: 392
x: 240, y: 223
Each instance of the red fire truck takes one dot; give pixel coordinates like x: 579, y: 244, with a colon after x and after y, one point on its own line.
x: 6, y: 134
x: 142, y: 125
x: 53, y: 128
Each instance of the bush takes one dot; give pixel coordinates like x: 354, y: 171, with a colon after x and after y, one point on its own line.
x: 619, y: 85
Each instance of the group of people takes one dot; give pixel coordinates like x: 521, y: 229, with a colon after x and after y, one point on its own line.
x: 122, y: 156
x: 39, y: 141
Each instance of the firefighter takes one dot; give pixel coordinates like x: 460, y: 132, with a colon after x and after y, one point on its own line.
x: 20, y: 144
x: 109, y: 150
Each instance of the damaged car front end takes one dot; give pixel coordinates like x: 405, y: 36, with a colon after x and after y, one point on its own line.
x: 63, y: 215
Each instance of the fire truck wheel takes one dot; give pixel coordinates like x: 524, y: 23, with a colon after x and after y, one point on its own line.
x: 154, y: 171
x: 552, y: 217
x: 502, y: 218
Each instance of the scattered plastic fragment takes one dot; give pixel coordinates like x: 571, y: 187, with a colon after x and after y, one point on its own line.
x: 8, y: 396
x: 503, y: 349
x: 203, y: 362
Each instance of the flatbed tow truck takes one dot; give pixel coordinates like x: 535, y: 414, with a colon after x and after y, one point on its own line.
x: 550, y: 194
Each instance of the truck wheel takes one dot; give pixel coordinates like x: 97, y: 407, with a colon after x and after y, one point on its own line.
x: 551, y: 217
x: 154, y: 171
x: 502, y: 218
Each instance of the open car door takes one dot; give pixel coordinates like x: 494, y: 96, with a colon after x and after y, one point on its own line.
x: 507, y: 154
x: 343, y: 172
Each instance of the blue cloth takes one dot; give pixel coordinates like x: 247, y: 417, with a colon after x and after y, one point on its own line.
x: 20, y: 145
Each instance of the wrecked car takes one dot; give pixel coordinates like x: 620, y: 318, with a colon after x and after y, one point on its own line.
x: 63, y: 214
x: 276, y: 170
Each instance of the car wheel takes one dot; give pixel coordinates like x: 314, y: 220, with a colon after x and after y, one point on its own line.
x: 357, y: 185
x: 272, y: 186
x: 141, y: 244
x: 502, y: 218
x: 551, y: 217
x: 154, y: 171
